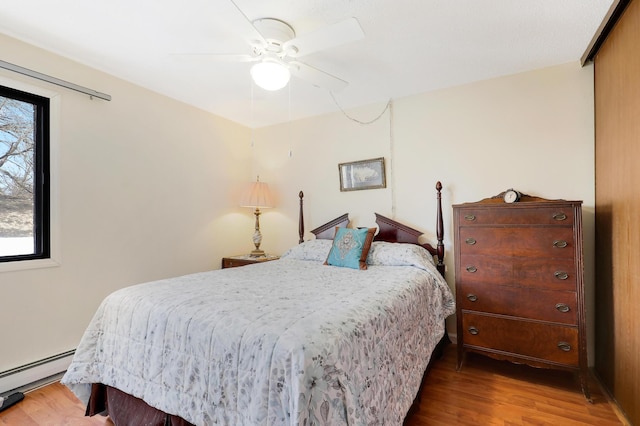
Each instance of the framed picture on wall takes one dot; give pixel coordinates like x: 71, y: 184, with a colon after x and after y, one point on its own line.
x: 364, y: 174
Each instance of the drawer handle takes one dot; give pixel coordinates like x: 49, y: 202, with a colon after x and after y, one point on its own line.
x: 470, y: 241
x: 472, y: 297
x: 475, y: 331
x: 561, y: 275
x: 564, y: 346
x: 563, y: 307
x: 560, y: 216
x: 560, y: 243
x: 469, y: 217
x: 472, y: 269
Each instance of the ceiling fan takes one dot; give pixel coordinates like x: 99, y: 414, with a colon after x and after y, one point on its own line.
x: 276, y: 49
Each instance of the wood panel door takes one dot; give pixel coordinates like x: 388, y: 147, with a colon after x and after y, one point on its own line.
x: 617, y: 108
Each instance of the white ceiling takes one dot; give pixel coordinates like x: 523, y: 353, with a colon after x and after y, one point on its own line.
x: 410, y: 46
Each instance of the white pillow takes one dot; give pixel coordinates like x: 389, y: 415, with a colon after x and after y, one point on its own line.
x: 315, y: 250
x: 399, y: 254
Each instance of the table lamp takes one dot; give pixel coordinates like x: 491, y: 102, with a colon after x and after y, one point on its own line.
x: 258, y: 197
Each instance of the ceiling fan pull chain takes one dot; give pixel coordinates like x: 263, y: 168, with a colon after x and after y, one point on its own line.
x: 252, y: 121
x: 289, y: 125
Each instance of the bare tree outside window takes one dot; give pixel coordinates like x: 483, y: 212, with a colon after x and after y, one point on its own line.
x: 20, y: 209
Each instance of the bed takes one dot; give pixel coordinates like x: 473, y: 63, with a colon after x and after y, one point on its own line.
x: 286, y: 342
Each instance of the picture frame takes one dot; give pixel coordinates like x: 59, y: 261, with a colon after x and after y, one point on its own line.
x: 364, y: 174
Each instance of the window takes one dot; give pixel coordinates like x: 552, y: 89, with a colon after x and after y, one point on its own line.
x: 24, y: 176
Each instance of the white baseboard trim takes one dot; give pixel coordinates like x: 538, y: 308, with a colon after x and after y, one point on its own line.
x: 30, y: 375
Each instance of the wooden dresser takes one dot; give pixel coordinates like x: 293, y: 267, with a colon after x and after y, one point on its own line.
x: 519, y: 282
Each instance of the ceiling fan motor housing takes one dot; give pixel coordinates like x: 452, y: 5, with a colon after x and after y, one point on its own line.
x: 275, y: 33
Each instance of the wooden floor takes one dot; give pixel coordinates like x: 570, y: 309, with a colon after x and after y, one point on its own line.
x: 489, y: 392
x: 484, y: 392
x: 52, y: 405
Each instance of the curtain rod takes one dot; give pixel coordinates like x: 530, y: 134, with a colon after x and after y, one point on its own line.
x: 53, y: 80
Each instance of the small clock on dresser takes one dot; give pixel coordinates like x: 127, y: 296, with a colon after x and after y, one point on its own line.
x: 511, y: 196
x: 519, y: 281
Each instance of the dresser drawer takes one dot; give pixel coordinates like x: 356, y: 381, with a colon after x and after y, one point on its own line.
x: 517, y: 241
x: 544, y: 305
x: 538, y: 272
x: 242, y: 260
x: 516, y: 214
x: 234, y: 263
x: 555, y: 343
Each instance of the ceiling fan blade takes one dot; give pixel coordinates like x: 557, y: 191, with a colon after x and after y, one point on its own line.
x: 216, y: 57
x: 333, y: 35
x: 258, y: 35
x: 317, y: 77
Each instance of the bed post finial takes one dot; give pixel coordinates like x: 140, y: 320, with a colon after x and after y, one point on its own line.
x: 440, y: 230
x: 301, y: 219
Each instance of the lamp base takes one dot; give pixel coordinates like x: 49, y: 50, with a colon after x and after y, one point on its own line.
x: 257, y: 253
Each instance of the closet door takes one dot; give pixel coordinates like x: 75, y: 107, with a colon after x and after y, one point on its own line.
x: 617, y: 107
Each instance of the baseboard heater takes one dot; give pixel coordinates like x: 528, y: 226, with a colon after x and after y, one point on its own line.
x: 34, y: 374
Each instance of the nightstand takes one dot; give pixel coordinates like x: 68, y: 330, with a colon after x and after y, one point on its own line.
x: 245, y: 259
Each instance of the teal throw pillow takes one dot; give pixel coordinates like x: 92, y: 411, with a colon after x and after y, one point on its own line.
x: 351, y: 247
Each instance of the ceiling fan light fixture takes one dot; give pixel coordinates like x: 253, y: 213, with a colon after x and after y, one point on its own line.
x: 270, y: 75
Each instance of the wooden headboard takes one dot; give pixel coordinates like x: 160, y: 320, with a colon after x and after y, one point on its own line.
x: 328, y: 230
x: 322, y: 232
x: 389, y: 230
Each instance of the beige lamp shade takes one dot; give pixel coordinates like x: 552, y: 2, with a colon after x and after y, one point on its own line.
x: 257, y: 196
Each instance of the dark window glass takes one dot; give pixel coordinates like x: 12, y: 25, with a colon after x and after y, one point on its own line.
x: 24, y: 176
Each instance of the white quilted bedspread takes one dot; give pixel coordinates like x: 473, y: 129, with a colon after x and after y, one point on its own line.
x: 287, y: 342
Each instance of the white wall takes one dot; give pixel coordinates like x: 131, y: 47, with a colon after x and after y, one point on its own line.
x: 148, y: 186
x: 532, y: 131
x: 146, y: 189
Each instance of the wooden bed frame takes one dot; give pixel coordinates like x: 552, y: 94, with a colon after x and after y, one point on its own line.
x: 388, y: 230
x: 133, y: 411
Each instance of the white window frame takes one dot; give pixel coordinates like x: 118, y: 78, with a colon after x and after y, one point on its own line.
x: 55, y: 258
